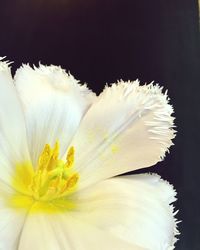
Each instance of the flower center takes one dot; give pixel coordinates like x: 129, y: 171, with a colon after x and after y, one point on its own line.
x: 49, y: 184
x: 53, y: 178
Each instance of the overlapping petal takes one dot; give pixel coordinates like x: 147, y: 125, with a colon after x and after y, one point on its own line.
x: 134, y: 208
x: 13, y: 143
x: 63, y: 232
x: 10, y: 228
x: 53, y: 103
x: 127, y: 128
x: 11, y: 220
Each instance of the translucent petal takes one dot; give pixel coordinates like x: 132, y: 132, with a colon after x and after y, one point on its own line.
x: 127, y: 128
x: 134, y: 208
x: 65, y: 232
x: 13, y: 144
x: 53, y: 102
x: 11, y: 221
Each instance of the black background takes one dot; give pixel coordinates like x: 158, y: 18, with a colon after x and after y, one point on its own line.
x: 101, y: 41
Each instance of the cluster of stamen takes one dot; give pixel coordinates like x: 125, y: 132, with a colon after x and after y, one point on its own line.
x: 54, y: 178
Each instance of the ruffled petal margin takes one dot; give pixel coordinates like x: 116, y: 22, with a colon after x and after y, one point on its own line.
x: 129, y: 127
x: 136, y: 208
x: 54, y: 103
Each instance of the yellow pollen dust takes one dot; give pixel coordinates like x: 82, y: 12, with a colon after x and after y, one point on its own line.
x: 49, y: 184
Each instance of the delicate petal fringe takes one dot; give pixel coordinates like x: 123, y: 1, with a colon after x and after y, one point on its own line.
x: 129, y: 127
x: 174, y: 212
x: 4, y: 65
x: 135, y: 208
x: 53, y: 102
x: 162, y: 127
x: 58, y: 78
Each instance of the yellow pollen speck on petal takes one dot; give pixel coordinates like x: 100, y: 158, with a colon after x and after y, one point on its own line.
x: 114, y: 148
x: 47, y: 186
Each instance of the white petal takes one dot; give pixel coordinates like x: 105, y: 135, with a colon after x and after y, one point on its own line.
x: 13, y: 144
x: 54, y: 104
x: 11, y: 224
x: 133, y: 208
x: 62, y: 232
x: 11, y: 221
x: 127, y: 128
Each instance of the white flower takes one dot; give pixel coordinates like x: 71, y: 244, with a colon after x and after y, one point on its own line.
x: 61, y: 148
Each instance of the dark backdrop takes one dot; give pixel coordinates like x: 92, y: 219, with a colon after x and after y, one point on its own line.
x: 101, y: 41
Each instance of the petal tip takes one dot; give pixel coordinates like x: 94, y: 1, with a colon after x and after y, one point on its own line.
x: 4, y: 64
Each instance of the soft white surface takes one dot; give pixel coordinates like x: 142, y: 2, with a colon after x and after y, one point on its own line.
x: 53, y: 103
x: 127, y: 128
x: 13, y: 144
x: 62, y: 232
x: 134, y: 208
x: 11, y: 224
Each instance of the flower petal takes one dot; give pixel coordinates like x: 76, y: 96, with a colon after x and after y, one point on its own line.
x: 64, y: 232
x: 13, y: 144
x: 11, y: 224
x: 127, y: 128
x: 133, y: 208
x: 11, y: 221
x: 54, y: 104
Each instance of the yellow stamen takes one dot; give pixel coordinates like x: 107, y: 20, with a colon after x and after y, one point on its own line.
x: 71, y: 183
x: 52, y: 180
x: 70, y: 157
x: 44, y: 157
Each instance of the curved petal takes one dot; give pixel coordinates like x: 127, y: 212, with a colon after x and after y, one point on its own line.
x: 11, y: 224
x: 13, y: 144
x: 64, y: 232
x: 134, y: 208
x: 11, y: 221
x: 127, y: 128
x: 53, y: 103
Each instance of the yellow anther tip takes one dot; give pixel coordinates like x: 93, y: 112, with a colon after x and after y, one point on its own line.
x: 72, y: 180
x: 70, y: 157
